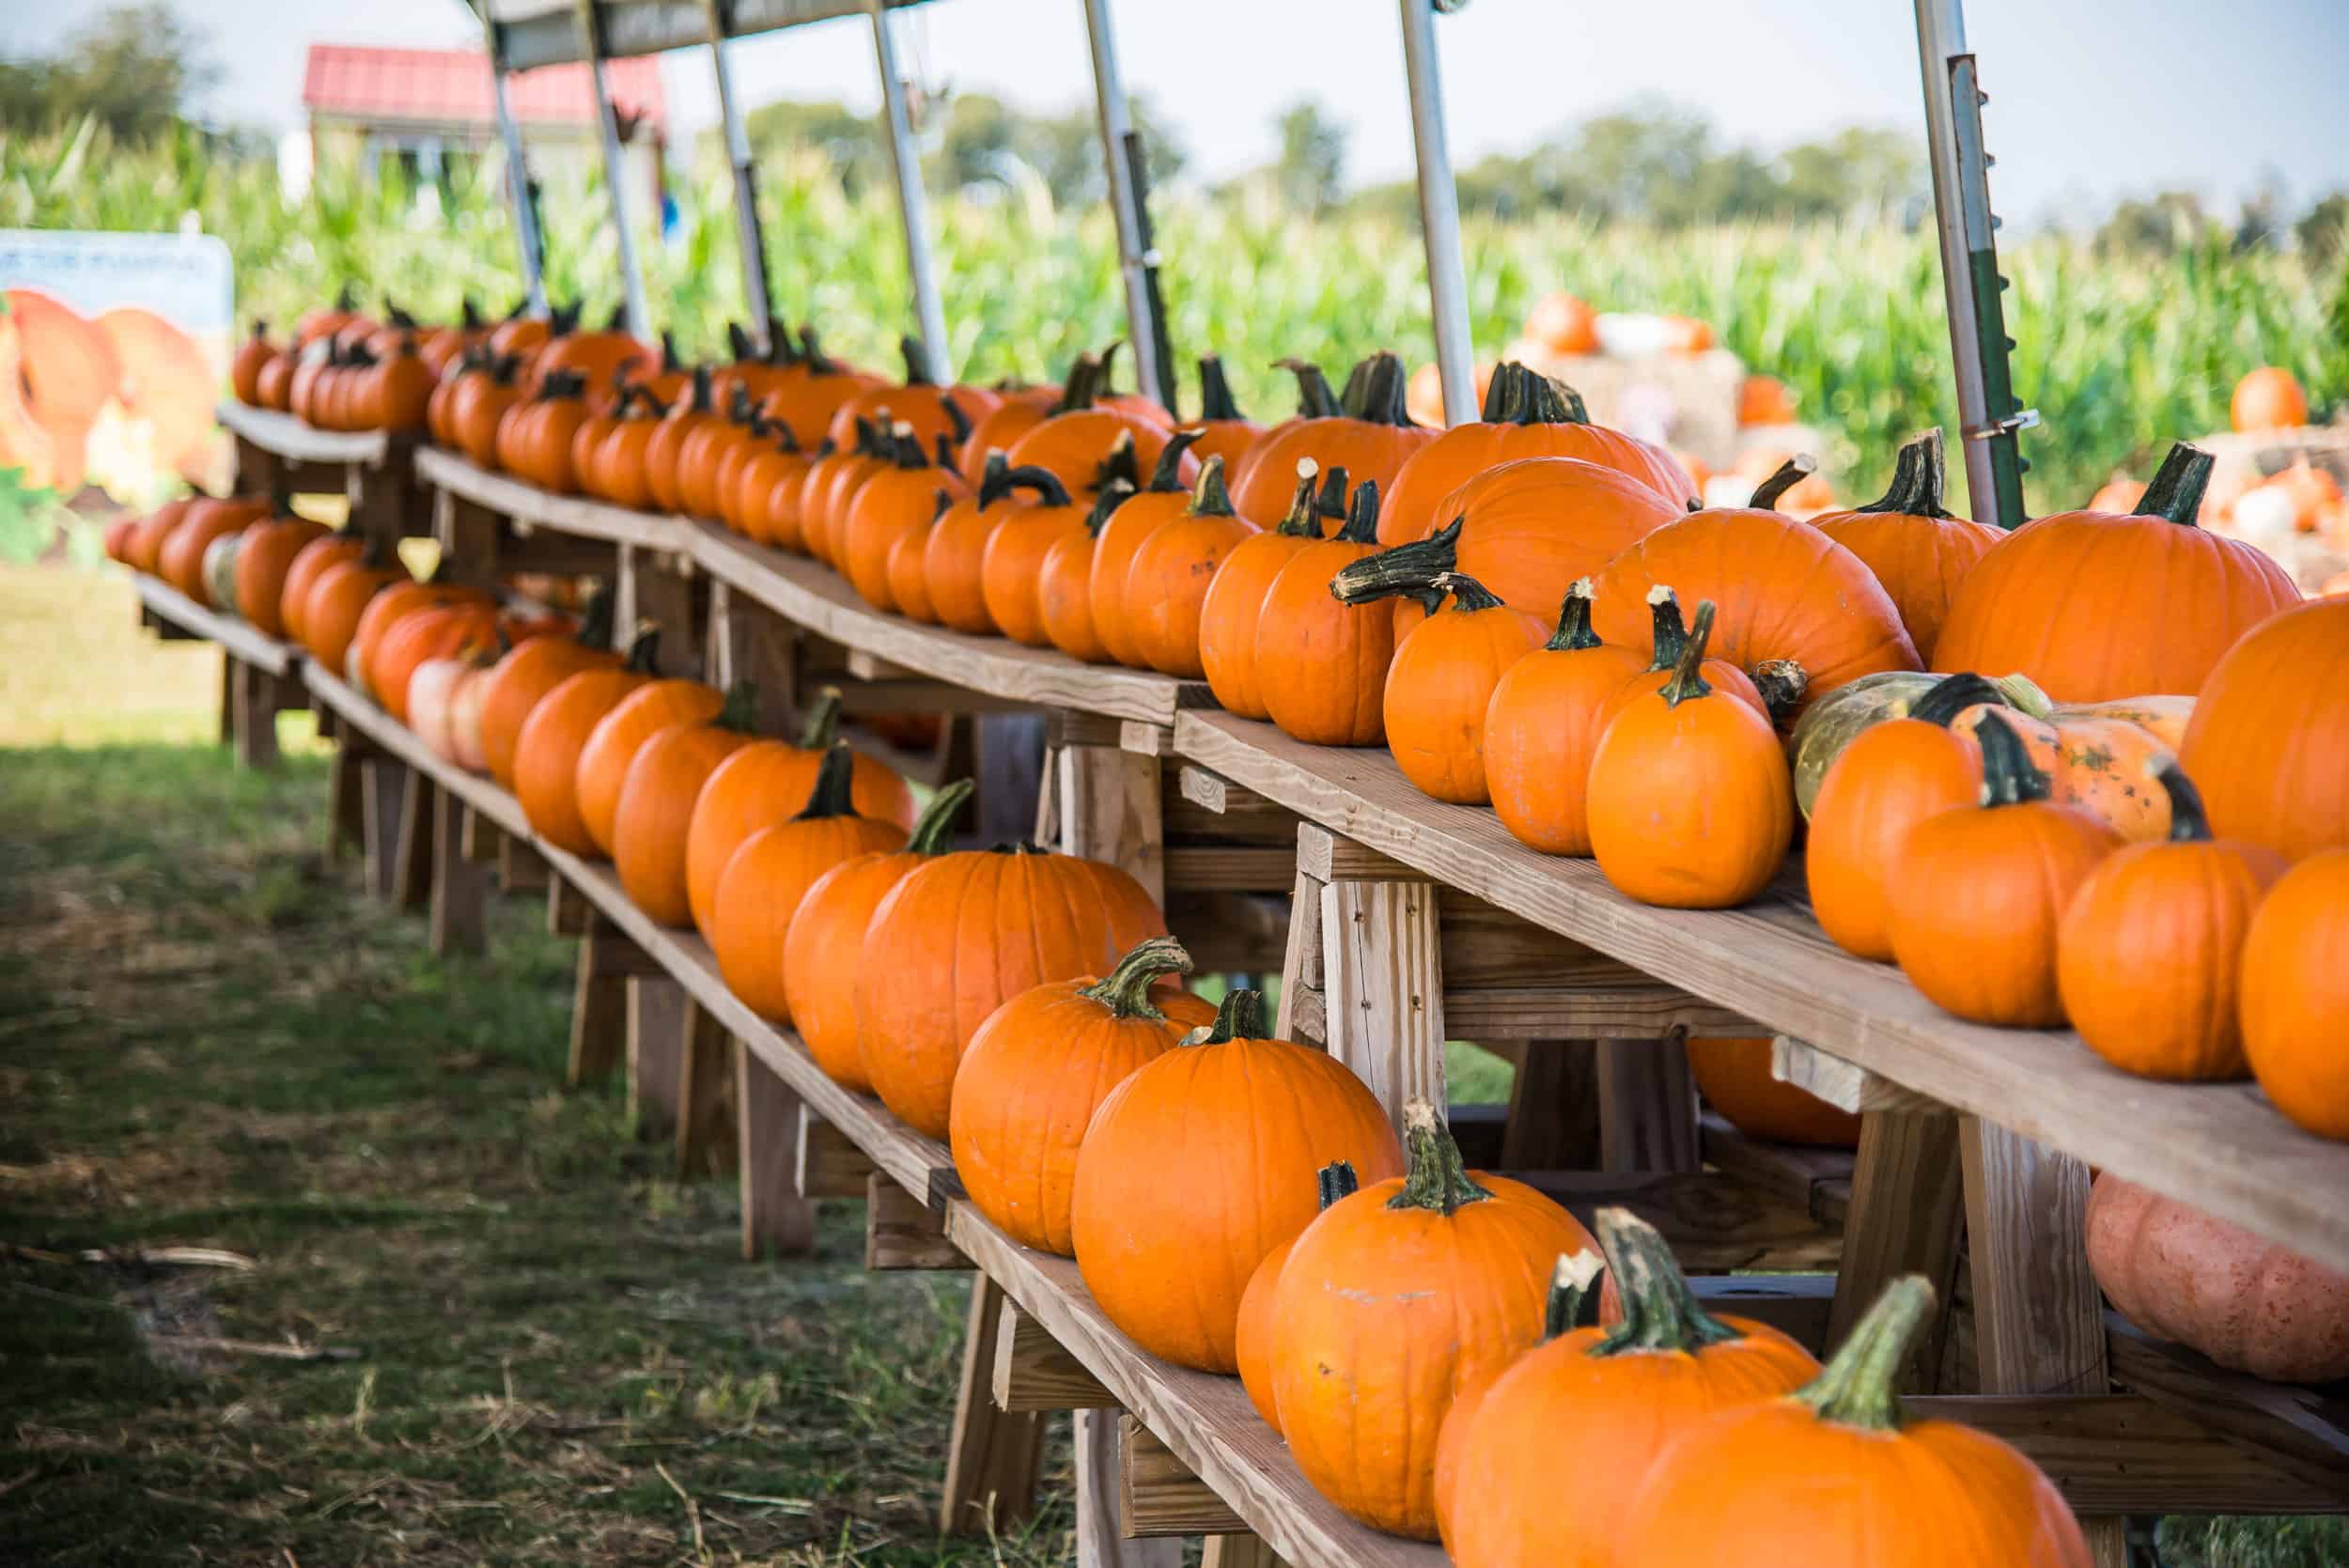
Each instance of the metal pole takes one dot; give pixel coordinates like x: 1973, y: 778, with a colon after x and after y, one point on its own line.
x: 1439, y: 214
x: 746, y: 230
x: 1988, y: 415
x: 912, y: 206
x: 1136, y: 260
x: 614, y: 171
x: 517, y: 177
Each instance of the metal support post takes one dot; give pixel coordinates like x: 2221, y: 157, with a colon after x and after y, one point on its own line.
x: 912, y: 206
x: 1988, y: 415
x: 746, y: 229
x: 1137, y: 260
x: 614, y: 171
x: 1439, y: 213
x: 517, y: 177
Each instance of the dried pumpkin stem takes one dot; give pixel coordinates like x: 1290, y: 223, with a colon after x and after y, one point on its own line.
x: 1314, y: 400
x: 1332, y: 502
x: 1435, y: 1179
x: 1120, y: 464
x: 933, y: 831
x: 739, y: 711
x: 917, y: 358
x: 1047, y: 484
x: 830, y: 795
x: 1687, y: 672
x: 1570, y: 1286
x: 1240, y: 1017
x: 1126, y: 989
x: 1467, y: 595
x: 1208, y: 498
x: 643, y: 649
x: 1304, y: 518
x: 1667, y: 630
x: 1215, y: 393
x: 2188, y: 822
x: 1404, y: 569
x: 1860, y: 1386
x: 1575, y: 633
x: 595, y: 622
x: 1918, y: 477
x: 1792, y: 473
x: 1114, y: 495
x: 994, y: 479
x: 1167, y: 477
x: 1659, y: 1311
x: 823, y: 722
x: 1783, y: 683
x: 2176, y: 490
x: 1337, y: 1180
x: 1948, y: 698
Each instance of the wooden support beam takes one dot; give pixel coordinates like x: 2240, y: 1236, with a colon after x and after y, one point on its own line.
x: 1841, y: 1083
x: 829, y: 1164
x: 1099, y: 1459
x: 1302, y: 968
x: 991, y: 1454
x: 1240, y: 1551
x: 413, y: 858
x: 1227, y: 810
x: 460, y: 885
x: 1817, y: 1180
x: 1908, y: 1192
x: 706, y: 1143
x: 253, y: 695
x: 749, y: 641
x: 520, y: 867
x: 346, y: 799
x: 1714, y: 1222
x: 1647, y: 1114
x: 478, y: 839
x: 383, y: 782
x: 568, y: 913
x: 1230, y: 932
x: 901, y: 1232
x: 2299, y: 1433
x: 1553, y: 1107
x: 1032, y: 1372
x: 1229, y: 867
x: 771, y: 1120
x: 1329, y: 856
x: 599, y: 1009
x: 656, y: 1051
x: 227, y: 692
x: 1159, y: 1496
x: 1109, y: 811
x: 1384, y: 985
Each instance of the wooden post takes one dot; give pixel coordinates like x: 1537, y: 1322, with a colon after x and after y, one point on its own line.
x: 1033, y: 1371
x: 749, y: 641
x: 1104, y: 1460
x: 460, y: 885
x: 656, y: 1051
x: 829, y: 1164
x: 599, y: 1004
x: 253, y: 698
x: 1906, y: 1195
x: 657, y: 588
x: 992, y: 1455
x: 901, y: 1232
x: 769, y: 1136
x: 1300, y: 964
x: 1240, y: 1551
x: 411, y: 867
x: 1383, y: 970
x: 467, y: 534
x: 384, y: 787
x: 1159, y: 1496
x: 1553, y: 1119
x: 1647, y: 1106
x: 706, y: 1139
x: 346, y: 798
x: 1108, y: 801
x: 227, y: 698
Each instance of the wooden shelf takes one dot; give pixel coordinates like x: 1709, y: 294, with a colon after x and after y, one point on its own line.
x: 2221, y: 1146
x: 389, y: 735
x: 283, y: 436
x: 240, y: 639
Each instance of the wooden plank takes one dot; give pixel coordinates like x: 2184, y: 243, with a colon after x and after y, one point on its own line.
x: 1227, y: 810
x: 228, y: 702
x: 1238, y: 1551
x: 1334, y: 857
x: 478, y: 839
x: 1907, y: 1195
x: 1843, y: 1084
x: 345, y: 800
x: 283, y: 436
x: 830, y: 1165
x: 1818, y: 1180
x: 1301, y: 967
x: 460, y: 884
x: 991, y: 1454
x: 600, y: 1014
x: 242, y: 640
x: 385, y: 783
x: 532, y: 508
x: 1031, y: 1372
x: 1159, y: 1496
x: 1224, y: 867
x: 749, y: 641
x: 254, y: 693
x: 901, y: 1232
x: 2219, y: 1146
x: 653, y: 590
x: 1553, y: 1106
x: 469, y: 535
x: 2302, y: 1433
x: 1109, y: 811
x: 776, y: 1220
x: 705, y: 1134
x: 568, y: 913
x: 1637, y: 1009
x: 1230, y: 932
x: 1647, y: 1106
x: 656, y: 1050
x: 520, y: 867
x: 413, y: 854
x: 1796, y: 1305
x: 1384, y: 986
x: 1714, y: 1222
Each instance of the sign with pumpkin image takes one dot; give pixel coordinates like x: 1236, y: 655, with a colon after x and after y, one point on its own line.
x: 113, y: 348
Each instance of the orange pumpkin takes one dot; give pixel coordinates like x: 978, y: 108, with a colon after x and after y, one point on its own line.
x: 386, y: 612
x: 1011, y: 563
x: 620, y: 470
x: 1094, y: 598
x: 655, y: 808
x: 1173, y: 566
x: 265, y: 561
x: 1076, y: 443
x: 1564, y: 324
x: 1199, y: 1164
x: 2104, y: 766
x: 1734, y: 1077
x: 953, y: 554
x: 301, y: 575
x: 1440, y: 683
x: 2268, y: 398
x: 335, y: 601
x: 1015, y: 416
x: 517, y: 682
x: 1234, y: 602
x: 823, y: 955
x: 1372, y: 446
x: 1322, y: 663
x: 772, y: 473
x: 2270, y: 740
x: 1224, y: 431
x: 1541, y: 725
x: 832, y: 483
x: 760, y: 889
x: 455, y: 629
x: 1917, y: 550
x: 2295, y: 993
x: 811, y: 390
x: 181, y: 560
x: 478, y: 405
x: 244, y: 370
x: 905, y: 498
x: 664, y: 448
x: 1415, y: 1291
x: 1252, y: 1337
x: 931, y: 410
x: 535, y: 435
x: 959, y: 935
x: 143, y: 548
x: 546, y: 752
x: 2094, y: 606
x: 619, y: 735
x: 1038, y: 1069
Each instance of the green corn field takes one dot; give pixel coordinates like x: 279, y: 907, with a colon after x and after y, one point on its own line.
x: 2120, y: 353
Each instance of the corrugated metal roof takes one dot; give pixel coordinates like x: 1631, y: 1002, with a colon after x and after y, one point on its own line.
x: 453, y: 84
x: 543, y: 32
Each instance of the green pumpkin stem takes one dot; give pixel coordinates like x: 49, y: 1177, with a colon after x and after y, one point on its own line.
x: 1304, y: 518
x: 1918, y: 476
x: 1332, y: 502
x: 1540, y: 400
x: 823, y: 722
x: 2008, y: 776
x: 1792, y: 473
x: 1570, y: 1286
x: 1362, y: 516
x: 1126, y: 989
x: 1669, y: 632
x: 1954, y: 695
x: 1239, y: 1017
x: 1208, y: 498
x: 1467, y: 595
x: 1688, y: 679
x: 1337, y: 1180
x: 1575, y: 633
x: 1047, y: 484
x: 595, y: 621
x: 1114, y: 495
x: 1215, y: 393
x: 2176, y: 491
x: 643, y: 649
x: 1405, y: 569
x: 934, y: 831
x: 1122, y: 463
x: 1167, y: 477
x: 1860, y: 1386
x: 917, y: 358
x: 1435, y: 1177
x: 1659, y: 1311
x: 993, y: 479
x: 1499, y: 394
x: 829, y: 795
x: 2188, y: 822
x: 1314, y: 400
x: 739, y: 711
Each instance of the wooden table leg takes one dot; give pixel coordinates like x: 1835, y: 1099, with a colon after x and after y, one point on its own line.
x: 383, y: 788
x: 412, y: 864
x: 460, y: 884
x: 600, y: 1008
x: 1382, y: 970
x: 705, y: 1096
x: 992, y: 1456
x: 656, y: 1044
x: 1099, y: 1467
x: 1906, y: 1193
x: 776, y: 1220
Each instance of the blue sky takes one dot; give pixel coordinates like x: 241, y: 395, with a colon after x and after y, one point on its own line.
x: 2090, y: 98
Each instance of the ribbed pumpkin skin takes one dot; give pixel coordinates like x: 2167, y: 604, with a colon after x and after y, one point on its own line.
x: 2295, y: 994
x: 1322, y: 665
x: 1366, y: 450
x: 761, y: 889
x: 2268, y: 744
x: 1228, y: 618
x: 655, y: 811
x: 1029, y: 1084
x: 1733, y: 1075
x: 1167, y: 584
x: 1893, y: 776
x: 1011, y: 568
x: 824, y: 955
x: 1252, y: 1336
x: 958, y: 937
x: 1107, y: 573
x: 264, y: 557
x: 2240, y: 1299
x: 2092, y: 606
x: 759, y: 785
x: 330, y: 611
x: 613, y: 745
x: 1198, y: 1165
x: 1427, y: 490
x: 1920, y: 560
x: 1070, y: 446
x: 301, y: 575
x: 1383, y: 1315
x: 2104, y: 767
x: 146, y: 541
x: 515, y: 685
x: 1439, y: 687
x: 447, y: 632
x: 954, y: 562
x: 546, y: 754
x: 1541, y: 725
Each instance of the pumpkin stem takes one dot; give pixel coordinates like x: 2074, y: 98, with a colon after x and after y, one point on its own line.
x: 1208, y: 498
x: 1918, y: 475
x: 1781, y: 683
x: 1337, y: 1180
x: 1948, y: 698
x: 905, y: 448
x: 668, y: 351
x: 1049, y: 491
x: 1498, y: 392
x: 643, y: 649
x: 955, y: 417
x: 830, y: 797
x: 1122, y: 463
x: 1362, y: 516
x: 1383, y: 390
x: 740, y: 712
x: 1792, y: 473
x: 1669, y: 632
x: 917, y: 357
x: 1539, y: 400
x: 1575, y: 633
x: 823, y: 722
x: 1076, y: 388
x: 1106, y: 369
x: 1570, y: 1285
x: 1332, y: 502
x: 2007, y: 777
x: 2176, y: 491
x: 1687, y: 672
x: 738, y: 343
x: 1403, y: 569
x: 1167, y: 477
x: 781, y: 352
x: 1304, y: 518
x: 1126, y: 989
x: 1659, y: 1311
x: 701, y: 394
x: 1215, y: 393
x: 1239, y: 1017
x: 1858, y: 1387
x: 818, y: 363
x: 1314, y: 400
x: 1467, y: 595
x: 2188, y: 822
x: 469, y: 314
x: 1435, y: 1177
x: 595, y: 623
x: 1114, y: 495
x: 935, y: 829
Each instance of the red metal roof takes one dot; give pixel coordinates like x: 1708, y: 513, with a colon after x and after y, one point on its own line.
x: 453, y: 84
